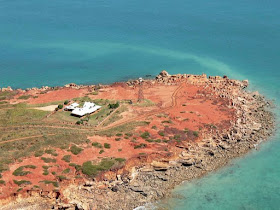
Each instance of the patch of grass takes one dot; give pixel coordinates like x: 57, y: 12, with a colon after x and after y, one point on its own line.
x: 24, y: 97
x: 39, y: 153
x: 66, y: 158
x: 89, y: 169
x: 107, y: 146
x: 2, y: 182
x: 119, y: 134
x: 48, y: 160
x: 119, y: 150
x: 75, y: 150
x: 97, y: 145
x: 117, y: 139
x: 101, y: 151
x: 154, y: 127
x: 145, y: 103
x: 121, y: 129
x: 145, y: 135
x: 22, y: 182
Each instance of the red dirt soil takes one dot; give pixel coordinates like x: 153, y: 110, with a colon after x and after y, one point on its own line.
x: 189, y: 109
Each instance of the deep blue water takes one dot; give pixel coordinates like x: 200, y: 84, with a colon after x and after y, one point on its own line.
x: 56, y: 42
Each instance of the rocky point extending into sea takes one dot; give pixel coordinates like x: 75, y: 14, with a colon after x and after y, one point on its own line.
x: 151, y: 178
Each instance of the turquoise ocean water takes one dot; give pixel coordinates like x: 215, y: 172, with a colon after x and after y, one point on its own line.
x: 56, y: 42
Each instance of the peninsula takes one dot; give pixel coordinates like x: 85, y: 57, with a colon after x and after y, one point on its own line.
x: 145, y: 137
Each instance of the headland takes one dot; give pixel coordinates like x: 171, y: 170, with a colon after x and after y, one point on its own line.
x: 148, y: 137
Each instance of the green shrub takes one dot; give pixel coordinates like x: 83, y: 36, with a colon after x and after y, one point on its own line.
x: 53, y: 173
x: 196, y: 133
x: 154, y: 127
x: 107, y: 146
x: 150, y: 140
x: 76, y: 150
x: 60, y: 106
x: 114, y: 106
x: 97, y: 145
x: 22, y: 182
x: 79, y: 122
x: 166, y: 121
x: 66, y: 158
x: 20, y: 172
x: 46, y: 172
x: 48, y: 160
x: 66, y: 171
x: 66, y: 102
x: 142, y: 145
x: 55, y: 184
x: 161, y: 133
x: 145, y: 135
x: 2, y: 182
x: 119, y: 134
x: 61, y: 178
x: 117, y: 139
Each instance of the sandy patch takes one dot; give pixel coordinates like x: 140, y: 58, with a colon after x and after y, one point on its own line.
x: 49, y: 108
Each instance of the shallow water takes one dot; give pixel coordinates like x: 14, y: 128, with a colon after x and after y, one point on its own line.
x: 56, y: 42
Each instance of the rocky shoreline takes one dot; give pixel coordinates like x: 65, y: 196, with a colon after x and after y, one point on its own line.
x: 154, y: 182
x: 151, y: 178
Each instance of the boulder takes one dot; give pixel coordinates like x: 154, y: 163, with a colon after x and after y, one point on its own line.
x: 160, y: 166
x: 164, y: 74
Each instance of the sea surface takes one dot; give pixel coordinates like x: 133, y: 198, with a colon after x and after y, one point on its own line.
x: 56, y: 42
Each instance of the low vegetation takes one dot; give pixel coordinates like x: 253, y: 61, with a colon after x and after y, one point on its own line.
x: 48, y: 160
x: 67, y: 158
x: 20, y: 170
x: 107, y: 146
x: 75, y: 150
x: 97, y: 145
x: 91, y: 169
x: 140, y: 146
x: 22, y: 182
